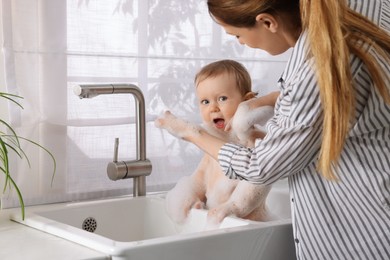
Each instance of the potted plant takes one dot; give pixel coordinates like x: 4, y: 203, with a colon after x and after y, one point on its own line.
x: 10, y: 141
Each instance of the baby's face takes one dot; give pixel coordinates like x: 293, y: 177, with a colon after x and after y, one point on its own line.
x: 218, y: 99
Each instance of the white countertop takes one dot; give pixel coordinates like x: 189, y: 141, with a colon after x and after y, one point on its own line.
x: 19, y: 242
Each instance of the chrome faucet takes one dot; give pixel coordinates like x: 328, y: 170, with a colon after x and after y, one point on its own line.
x: 139, y: 168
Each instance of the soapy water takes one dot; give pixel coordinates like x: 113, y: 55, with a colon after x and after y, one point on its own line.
x: 182, y: 198
x: 247, y: 201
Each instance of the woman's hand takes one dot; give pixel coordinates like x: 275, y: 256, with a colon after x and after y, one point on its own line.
x: 244, y: 120
x: 176, y: 126
x: 254, y: 111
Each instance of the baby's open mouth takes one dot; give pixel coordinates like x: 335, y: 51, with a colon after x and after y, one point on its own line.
x: 219, y: 123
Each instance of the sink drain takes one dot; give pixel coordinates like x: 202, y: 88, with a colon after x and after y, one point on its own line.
x: 89, y: 224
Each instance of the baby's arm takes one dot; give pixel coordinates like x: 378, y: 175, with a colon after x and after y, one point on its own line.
x: 188, y: 193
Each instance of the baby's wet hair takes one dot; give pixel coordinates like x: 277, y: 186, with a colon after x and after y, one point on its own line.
x: 230, y: 67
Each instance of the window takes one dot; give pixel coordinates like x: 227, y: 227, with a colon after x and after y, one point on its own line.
x: 159, y: 45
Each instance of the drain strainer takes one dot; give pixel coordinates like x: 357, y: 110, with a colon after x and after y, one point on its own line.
x: 89, y: 224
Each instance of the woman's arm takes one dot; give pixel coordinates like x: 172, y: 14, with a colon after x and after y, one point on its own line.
x: 267, y: 100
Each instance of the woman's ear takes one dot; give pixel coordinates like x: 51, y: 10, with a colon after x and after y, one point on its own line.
x: 268, y: 21
x: 249, y: 95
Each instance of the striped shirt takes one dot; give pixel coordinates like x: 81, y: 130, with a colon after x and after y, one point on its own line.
x: 345, y: 219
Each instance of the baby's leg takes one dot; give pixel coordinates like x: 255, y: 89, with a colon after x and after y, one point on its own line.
x: 182, y: 198
x: 247, y: 201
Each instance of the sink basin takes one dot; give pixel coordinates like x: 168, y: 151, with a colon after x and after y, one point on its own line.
x: 139, y: 228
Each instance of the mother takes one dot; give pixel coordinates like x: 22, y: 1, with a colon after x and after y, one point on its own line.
x: 330, y: 135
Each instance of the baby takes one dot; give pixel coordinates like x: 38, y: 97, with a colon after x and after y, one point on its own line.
x: 220, y: 87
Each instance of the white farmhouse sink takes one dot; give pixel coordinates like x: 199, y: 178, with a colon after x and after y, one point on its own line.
x: 139, y: 228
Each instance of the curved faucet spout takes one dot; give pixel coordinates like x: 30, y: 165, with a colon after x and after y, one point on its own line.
x: 141, y: 167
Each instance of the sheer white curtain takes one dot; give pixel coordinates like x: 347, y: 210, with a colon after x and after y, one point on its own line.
x: 159, y: 45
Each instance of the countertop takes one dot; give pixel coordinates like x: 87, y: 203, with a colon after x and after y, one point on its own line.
x: 19, y: 242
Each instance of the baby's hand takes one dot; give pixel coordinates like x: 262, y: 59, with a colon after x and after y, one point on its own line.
x: 176, y: 126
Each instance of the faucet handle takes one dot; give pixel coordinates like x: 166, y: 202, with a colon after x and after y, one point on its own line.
x: 116, y: 146
x: 136, y: 169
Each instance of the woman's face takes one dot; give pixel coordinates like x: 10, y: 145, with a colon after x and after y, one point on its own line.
x: 264, y: 35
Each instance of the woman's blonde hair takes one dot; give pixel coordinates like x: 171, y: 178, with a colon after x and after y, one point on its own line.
x: 335, y: 31
x: 230, y: 67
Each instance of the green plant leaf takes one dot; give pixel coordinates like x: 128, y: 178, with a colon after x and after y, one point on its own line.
x: 4, y: 159
x: 14, y: 135
x: 11, y: 97
x: 46, y: 150
x: 20, y: 196
x: 11, y: 142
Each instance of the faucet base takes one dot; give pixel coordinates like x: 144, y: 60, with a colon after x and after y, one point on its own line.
x: 128, y: 169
